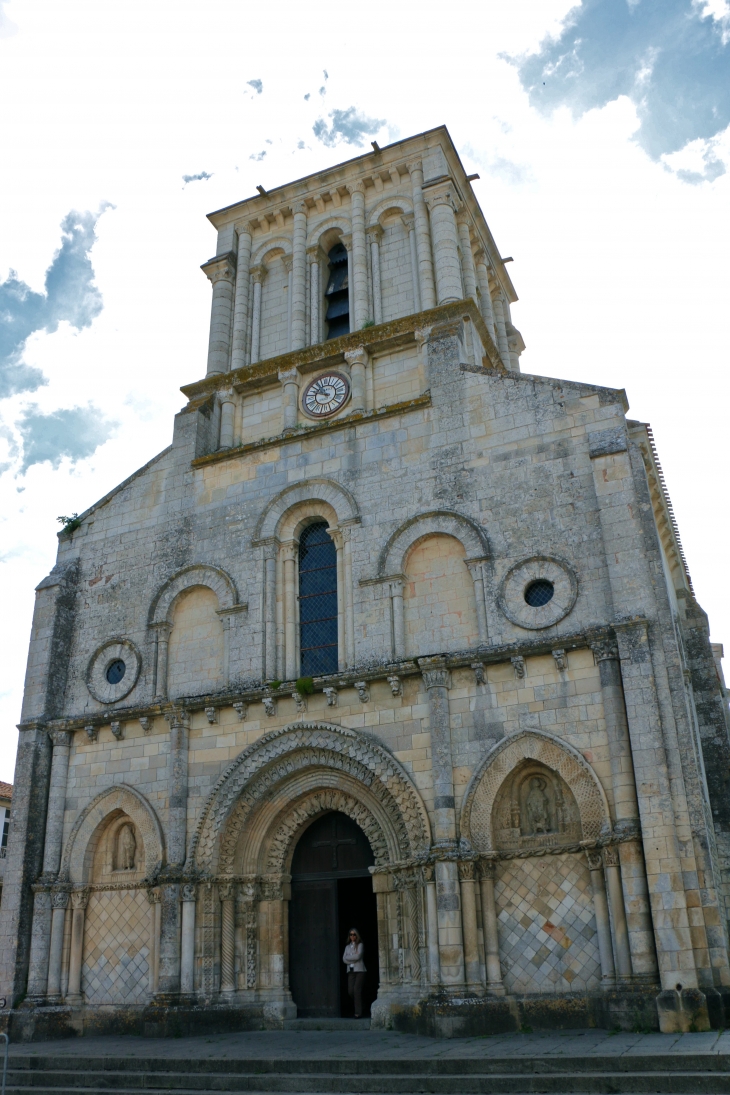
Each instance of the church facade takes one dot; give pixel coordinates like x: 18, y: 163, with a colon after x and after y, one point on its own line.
x: 392, y: 636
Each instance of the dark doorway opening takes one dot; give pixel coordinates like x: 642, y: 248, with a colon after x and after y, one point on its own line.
x: 332, y: 892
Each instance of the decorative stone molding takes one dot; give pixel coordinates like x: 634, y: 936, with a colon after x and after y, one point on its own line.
x: 480, y: 673
x: 241, y: 710
x: 121, y: 799
x: 300, y: 702
x: 331, y: 694
x: 310, y: 490
x: 395, y: 685
x: 519, y: 666
x: 100, y: 662
x: 561, y: 659
x: 117, y: 729
x: 269, y: 705
x: 445, y: 522
x: 92, y: 732
x: 211, y: 715
x: 362, y: 768
x: 511, y: 596
x: 146, y: 723
x: 554, y: 754
x: 201, y: 574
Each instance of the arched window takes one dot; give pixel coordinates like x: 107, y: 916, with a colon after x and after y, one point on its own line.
x: 337, y: 294
x: 317, y: 601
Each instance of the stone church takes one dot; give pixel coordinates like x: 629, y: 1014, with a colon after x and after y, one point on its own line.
x: 392, y: 636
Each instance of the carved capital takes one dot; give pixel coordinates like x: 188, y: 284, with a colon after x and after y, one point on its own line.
x: 488, y: 869
x: 374, y: 233
x: 467, y: 870
x: 177, y: 717
x: 314, y: 254
x: 290, y: 551
x: 595, y: 863
x: 79, y: 898
x: 358, y: 356
x: 356, y: 187
x: 415, y: 165
x: 289, y: 376
x: 299, y: 207
x: 435, y: 673
x: 60, y: 738
x: 610, y: 856
x: 220, y: 268
x: 258, y: 273
x: 153, y: 896
x: 226, y: 891
x: 60, y: 899
x: 604, y: 650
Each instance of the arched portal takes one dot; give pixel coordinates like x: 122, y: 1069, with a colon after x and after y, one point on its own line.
x: 331, y: 891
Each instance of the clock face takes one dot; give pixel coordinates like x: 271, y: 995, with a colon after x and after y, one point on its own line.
x: 325, y: 395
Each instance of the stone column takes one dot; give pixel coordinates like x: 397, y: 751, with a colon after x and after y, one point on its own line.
x: 399, y: 624
x: 348, y: 591
x: 228, y: 418
x: 168, y: 980
x: 375, y: 234
x: 79, y: 901
x: 423, y: 238
x: 359, y: 265
x: 433, y: 925
x: 59, y: 904
x: 623, y: 780
x: 258, y: 274
x: 358, y: 361
x: 240, y: 304
x: 40, y: 944
x: 487, y: 872
x: 410, y: 226
x: 437, y: 680
x: 313, y: 254
x: 290, y: 552
x: 618, y: 913
x: 187, y: 942
x: 288, y: 262
x: 422, y: 336
x: 337, y: 538
x: 472, y: 967
x: 499, y: 324
x: 515, y: 346
x: 162, y: 640
x: 442, y: 204
x: 468, y: 271
x: 56, y: 802
x: 381, y: 902
x: 178, y: 788
x: 221, y: 271
x: 153, y: 896
x: 289, y: 379
x: 299, y: 277
x: 270, y: 611
x: 477, y: 576
x: 482, y: 270
x: 227, y: 895
x: 603, y: 923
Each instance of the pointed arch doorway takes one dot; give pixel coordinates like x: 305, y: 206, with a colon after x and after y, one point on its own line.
x: 331, y: 892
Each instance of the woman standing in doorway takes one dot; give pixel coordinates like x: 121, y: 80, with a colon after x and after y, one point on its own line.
x: 353, y: 959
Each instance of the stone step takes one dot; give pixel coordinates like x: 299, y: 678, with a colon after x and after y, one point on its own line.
x: 567, y: 1083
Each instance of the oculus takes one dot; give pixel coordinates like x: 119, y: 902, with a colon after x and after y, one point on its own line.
x: 326, y: 395
x: 113, y: 670
x: 538, y: 592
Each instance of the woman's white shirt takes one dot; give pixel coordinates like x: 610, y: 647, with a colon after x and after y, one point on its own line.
x: 353, y: 957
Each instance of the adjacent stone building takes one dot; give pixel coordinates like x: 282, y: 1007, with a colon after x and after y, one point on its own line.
x: 391, y: 634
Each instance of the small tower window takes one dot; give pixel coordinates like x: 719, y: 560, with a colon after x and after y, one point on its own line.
x: 336, y: 294
x: 317, y: 602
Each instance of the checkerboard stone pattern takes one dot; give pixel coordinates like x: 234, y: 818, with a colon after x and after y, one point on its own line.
x: 547, y: 928
x: 116, y: 948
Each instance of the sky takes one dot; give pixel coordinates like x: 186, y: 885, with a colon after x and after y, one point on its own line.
x: 601, y: 134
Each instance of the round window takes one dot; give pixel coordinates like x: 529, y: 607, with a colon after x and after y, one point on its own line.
x: 116, y: 671
x: 539, y: 593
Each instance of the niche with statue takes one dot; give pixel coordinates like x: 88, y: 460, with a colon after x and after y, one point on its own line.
x: 534, y: 808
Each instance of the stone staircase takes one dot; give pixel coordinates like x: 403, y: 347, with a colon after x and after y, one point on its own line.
x: 680, y: 1074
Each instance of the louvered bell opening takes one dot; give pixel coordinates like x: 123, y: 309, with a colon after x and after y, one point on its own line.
x: 317, y: 602
x: 337, y: 295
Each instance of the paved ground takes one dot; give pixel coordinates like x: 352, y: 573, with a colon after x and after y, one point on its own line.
x: 382, y: 1045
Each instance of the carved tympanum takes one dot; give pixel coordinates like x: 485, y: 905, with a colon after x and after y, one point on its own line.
x: 535, y: 808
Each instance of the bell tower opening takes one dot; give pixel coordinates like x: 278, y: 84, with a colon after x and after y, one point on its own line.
x: 337, y: 293
x: 331, y: 892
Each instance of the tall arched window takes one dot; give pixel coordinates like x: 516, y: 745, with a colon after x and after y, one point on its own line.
x: 337, y: 293
x: 317, y: 601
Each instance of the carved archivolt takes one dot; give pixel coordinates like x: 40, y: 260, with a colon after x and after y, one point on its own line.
x: 331, y: 227
x: 78, y: 855
x: 447, y: 522
x: 310, y: 490
x: 566, y: 767
x: 277, y: 775
x: 201, y: 574
x: 281, y: 244
x: 395, y: 203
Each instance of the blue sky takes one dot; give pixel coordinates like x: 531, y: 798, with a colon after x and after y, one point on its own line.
x: 599, y: 130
